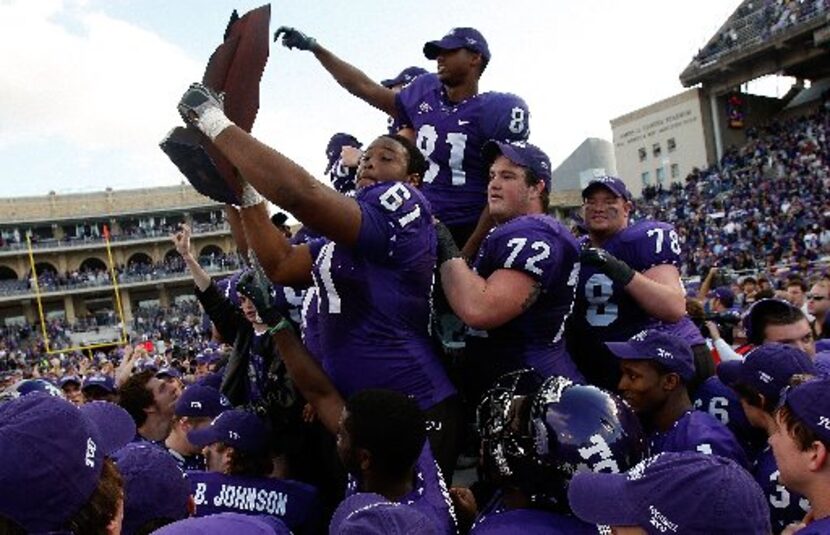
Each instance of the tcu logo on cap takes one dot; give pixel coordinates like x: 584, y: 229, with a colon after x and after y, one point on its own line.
x: 764, y: 377
x: 233, y: 435
x: 195, y: 404
x: 824, y: 422
x: 663, y: 354
x: 89, y: 458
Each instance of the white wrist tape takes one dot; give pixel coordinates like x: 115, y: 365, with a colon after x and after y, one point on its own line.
x: 212, y: 122
x: 250, y: 196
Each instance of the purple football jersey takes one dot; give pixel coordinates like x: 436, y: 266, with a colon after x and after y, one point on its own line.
x: 717, y: 399
x: 451, y: 136
x: 295, y: 503
x: 701, y: 432
x: 373, y: 299
x: 785, y: 506
x: 603, y: 307
x: 531, y: 522
x: 429, y: 492
x: 542, y: 248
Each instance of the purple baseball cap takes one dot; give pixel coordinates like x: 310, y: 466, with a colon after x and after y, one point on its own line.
x: 404, y: 77
x: 66, y: 379
x: 51, y: 458
x: 115, y: 425
x: 226, y: 523
x: 169, y: 371
x: 768, y: 369
x: 227, y: 287
x: 520, y: 153
x: 468, y: 38
x: 611, y: 183
x: 30, y: 386
x: 101, y: 381
x: 810, y: 402
x: 238, y: 428
x: 154, y: 486
x: 670, y: 351
x: 682, y: 492
x: 369, y: 513
x: 199, y: 401
x: 724, y: 294
x: 822, y: 362
x: 336, y: 144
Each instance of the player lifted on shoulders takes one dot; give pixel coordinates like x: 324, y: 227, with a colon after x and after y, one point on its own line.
x: 521, y: 288
x: 448, y: 117
x: 629, y: 281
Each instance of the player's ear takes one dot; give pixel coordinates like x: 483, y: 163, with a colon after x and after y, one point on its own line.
x: 818, y: 456
x: 414, y: 179
x: 671, y: 381
x: 364, y: 459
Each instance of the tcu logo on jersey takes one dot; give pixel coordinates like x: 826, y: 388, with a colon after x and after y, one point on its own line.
x: 424, y: 107
x: 824, y: 422
x: 89, y: 457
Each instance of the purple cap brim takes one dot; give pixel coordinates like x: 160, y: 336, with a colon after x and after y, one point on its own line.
x: 203, y: 437
x: 591, y: 494
x: 624, y: 350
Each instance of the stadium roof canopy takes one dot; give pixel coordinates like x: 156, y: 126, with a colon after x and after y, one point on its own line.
x: 762, y: 38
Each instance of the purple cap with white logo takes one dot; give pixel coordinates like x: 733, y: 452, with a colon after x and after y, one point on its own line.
x: 369, y: 513
x: 168, y: 371
x: 335, y: 146
x: 237, y: 428
x: 200, y: 401
x: 154, y: 486
x: 810, y: 402
x: 683, y: 492
x: 51, y: 458
x: 520, y: 153
x: 404, y: 77
x: 611, y: 183
x: 101, y: 381
x: 724, y: 294
x: 226, y: 523
x: 768, y: 369
x: 468, y: 38
x: 115, y: 425
x: 673, y: 352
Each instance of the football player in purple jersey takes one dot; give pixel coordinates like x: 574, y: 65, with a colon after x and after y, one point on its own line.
x: 655, y: 370
x: 447, y: 116
x: 536, y: 435
x: 629, y: 281
x: 402, y: 470
x: 373, y: 271
x: 520, y: 289
x: 801, y: 443
x: 759, y: 379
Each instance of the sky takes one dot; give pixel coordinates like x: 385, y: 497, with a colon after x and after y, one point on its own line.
x: 88, y: 88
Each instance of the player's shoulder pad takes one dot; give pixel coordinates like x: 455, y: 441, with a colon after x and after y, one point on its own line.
x: 639, y: 230
x: 422, y: 84
x: 503, y: 100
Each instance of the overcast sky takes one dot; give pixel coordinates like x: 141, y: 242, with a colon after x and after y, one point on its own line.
x: 89, y: 87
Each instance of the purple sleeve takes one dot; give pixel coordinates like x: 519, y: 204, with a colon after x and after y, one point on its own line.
x: 653, y: 244
x: 521, y: 247
x: 390, y: 211
x: 315, y: 245
x: 507, y: 118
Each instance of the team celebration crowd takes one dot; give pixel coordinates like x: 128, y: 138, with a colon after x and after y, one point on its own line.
x: 433, y: 353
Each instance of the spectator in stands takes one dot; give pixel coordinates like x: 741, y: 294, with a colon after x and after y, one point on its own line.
x: 797, y: 293
x: 71, y: 386
x: 818, y: 303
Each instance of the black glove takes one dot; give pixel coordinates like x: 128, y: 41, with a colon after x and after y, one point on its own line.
x: 260, y: 296
x: 447, y: 249
x: 292, y: 38
x: 617, y: 270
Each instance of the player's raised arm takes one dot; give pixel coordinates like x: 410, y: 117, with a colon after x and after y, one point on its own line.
x: 276, y: 176
x: 348, y: 76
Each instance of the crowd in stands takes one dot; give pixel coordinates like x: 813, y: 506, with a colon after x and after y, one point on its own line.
x: 764, y: 210
x: 756, y: 21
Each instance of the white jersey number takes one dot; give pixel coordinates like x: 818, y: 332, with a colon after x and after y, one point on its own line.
x: 427, y: 140
x: 598, y: 290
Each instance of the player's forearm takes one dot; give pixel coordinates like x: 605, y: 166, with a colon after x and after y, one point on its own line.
x: 357, y: 82
x: 200, y: 276
x: 310, y: 379
x: 658, y: 300
x: 238, y: 233
x: 291, y: 187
